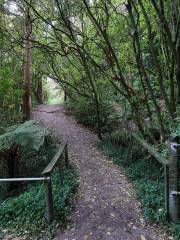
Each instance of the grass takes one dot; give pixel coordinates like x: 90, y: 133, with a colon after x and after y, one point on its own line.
x: 25, y: 214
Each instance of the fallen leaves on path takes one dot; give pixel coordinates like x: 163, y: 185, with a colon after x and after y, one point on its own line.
x: 107, y: 207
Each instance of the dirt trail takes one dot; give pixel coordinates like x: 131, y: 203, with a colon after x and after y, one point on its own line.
x: 107, y: 208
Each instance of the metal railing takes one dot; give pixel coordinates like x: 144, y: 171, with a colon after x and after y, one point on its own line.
x: 171, y: 176
x: 57, y: 161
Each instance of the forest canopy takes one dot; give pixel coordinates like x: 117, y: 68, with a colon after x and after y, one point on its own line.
x: 107, y: 56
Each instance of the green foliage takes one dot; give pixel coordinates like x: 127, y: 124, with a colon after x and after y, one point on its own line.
x: 176, y: 231
x: 25, y: 215
x: 175, y: 130
x: 28, y: 135
x: 35, y: 149
x: 143, y: 169
x: 85, y: 112
x: 121, y: 138
x: 36, y: 145
x: 151, y: 193
x: 130, y: 148
x: 10, y: 97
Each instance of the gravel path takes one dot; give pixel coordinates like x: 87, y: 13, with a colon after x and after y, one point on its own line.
x: 107, y: 208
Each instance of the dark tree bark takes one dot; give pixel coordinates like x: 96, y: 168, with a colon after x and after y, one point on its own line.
x: 13, y: 158
x: 178, y: 70
x: 27, y: 67
x: 39, y: 92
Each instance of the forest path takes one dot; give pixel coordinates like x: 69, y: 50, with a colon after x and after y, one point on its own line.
x: 107, y: 207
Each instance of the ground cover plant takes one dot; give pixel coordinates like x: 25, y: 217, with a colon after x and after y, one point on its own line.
x: 25, y: 215
x: 25, y: 150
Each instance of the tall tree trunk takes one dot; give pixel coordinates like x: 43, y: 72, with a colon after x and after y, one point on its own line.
x: 39, y: 91
x: 27, y: 69
x: 178, y: 69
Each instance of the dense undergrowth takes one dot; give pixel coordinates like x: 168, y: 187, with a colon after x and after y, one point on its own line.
x: 85, y: 112
x: 25, y: 216
x: 25, y: 150
x: 145, y: 173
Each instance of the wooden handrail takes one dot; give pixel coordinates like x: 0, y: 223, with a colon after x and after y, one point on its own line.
x: 165, y: 164
x: 57, y: 161
x: 152, y: 151
x: 50, y: 167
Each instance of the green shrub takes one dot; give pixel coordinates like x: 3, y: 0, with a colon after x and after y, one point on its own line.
x: 26, y: 213
x: 29, y: 146
x: 36, y: 146
x: 127, y: 143
x: 10, y: 96
x: 122, y: 138
x: 151, y: 193
x: 143, y: 169
x: 123, y: 151
x: 85, y: 111
x: 176, y: 231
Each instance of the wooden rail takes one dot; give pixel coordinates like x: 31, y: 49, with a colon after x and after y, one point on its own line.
x: 47, y: 172
x: 59, y: 160
x: 152, y: 151
x: 171, y: 176
x: 53, y: 163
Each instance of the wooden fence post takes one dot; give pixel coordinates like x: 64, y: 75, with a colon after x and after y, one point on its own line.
x: 174, y: 197
x: 49, y: 200
x: 61, y: 171
x: 166, y: 189
x: 66, y: 156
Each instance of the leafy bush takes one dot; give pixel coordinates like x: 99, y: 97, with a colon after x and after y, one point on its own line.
x: 85, y: 111
x: 176, y: 231
x: 151, y: 193
x: 121, y: 144
x: 121, y: 138
x: 175, y: 131
x: 26, y: 213
x: 10, y: 96
x: 143, y: 169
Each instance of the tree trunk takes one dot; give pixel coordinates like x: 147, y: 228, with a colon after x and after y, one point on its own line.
x: 178, y: 70
x: 39, y: 92
x: 27, y: 70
